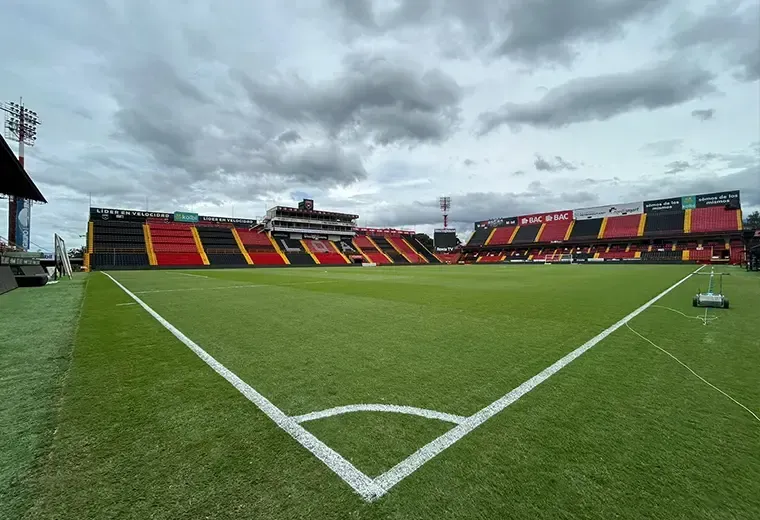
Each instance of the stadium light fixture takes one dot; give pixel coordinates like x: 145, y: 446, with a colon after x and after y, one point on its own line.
x: 20, y: 126
x: 445, y: 205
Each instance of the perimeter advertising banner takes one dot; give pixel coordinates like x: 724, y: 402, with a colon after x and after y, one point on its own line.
x: 705, y: 200
x: 671, y: 204
x: 23, y: 222
x: 496, y: 222
x: 614, y: 210
x: 718, y: 199
x: 141, y: 216
x: 545, y: 218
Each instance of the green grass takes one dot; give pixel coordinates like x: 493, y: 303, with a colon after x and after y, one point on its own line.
x: 36, y: 338
x: 147, y: 430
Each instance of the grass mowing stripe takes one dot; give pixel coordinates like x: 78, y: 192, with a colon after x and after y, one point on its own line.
x: 403, y: 469
x: 360, y: 482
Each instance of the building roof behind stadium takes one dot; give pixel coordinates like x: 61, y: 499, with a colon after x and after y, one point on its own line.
x: 14, y: 180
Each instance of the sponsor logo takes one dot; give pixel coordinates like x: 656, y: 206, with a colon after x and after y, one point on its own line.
x: 689, y: 202
x: 317, y: 246
x: 346, y: 248
x: 542, y: 218
x: 289, y: 249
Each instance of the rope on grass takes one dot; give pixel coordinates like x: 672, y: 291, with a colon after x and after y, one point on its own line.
x: 692, y: 371
x: 703, y: 319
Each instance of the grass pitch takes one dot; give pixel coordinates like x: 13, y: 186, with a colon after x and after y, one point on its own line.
x: 145, y: 429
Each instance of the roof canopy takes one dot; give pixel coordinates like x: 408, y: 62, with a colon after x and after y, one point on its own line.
x: 13, y: 179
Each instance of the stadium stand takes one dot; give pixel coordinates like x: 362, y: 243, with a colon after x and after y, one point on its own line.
x: 404, y: 249
x: 526, y: 234
x: 260, y: 248
x: 220, y: 246
x: 370, y: 250
x: 695, y: 228
x: 117, y: 245
x: 586, y: 229
x: 479, y: 237
x: 325, y: 252
x: 294, y: 251
x: 665, y: 223
x: 422, y: 250
x: 388, y: 249
x: 449, y: 258
x: 176, y: 244
x: 716, y: 218
x: 501, y: 236
x: 621, y: 227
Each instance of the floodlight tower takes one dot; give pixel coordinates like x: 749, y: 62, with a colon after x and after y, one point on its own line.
x: 20, y: 126
x: 445, y: 203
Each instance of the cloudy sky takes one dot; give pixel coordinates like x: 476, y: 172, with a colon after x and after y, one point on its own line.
x: 380, y: 107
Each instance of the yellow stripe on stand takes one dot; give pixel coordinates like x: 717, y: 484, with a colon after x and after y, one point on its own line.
x: 569, y: 230
x: 540, y: 230
x: 306, y: 248
x: 422, y: 257
x: 361, y: 252
x: 378, y: 248
x: 602, y: 228
x: 277, y: 248
x: 637, y: 254
x: 90, y: 237
x: 514, y: 234
x: 149, y: 245
x: 490, y: 236
x: 335, y: 246
x: 642, y: 224
x: 199, y: 245
x: 687, y: 221
x: 685, y: 254
x: 628, y: 248
x: 240, y: 245
x: 398, y: 250
x: 739, y: 219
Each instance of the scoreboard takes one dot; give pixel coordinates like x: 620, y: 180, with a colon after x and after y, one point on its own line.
x: 445, y: 239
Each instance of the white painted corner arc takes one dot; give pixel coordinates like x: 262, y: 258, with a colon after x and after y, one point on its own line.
x: 390, y: 408
x: 360, y: 482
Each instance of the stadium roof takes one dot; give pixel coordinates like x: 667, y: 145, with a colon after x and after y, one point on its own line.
x: 13, y: 178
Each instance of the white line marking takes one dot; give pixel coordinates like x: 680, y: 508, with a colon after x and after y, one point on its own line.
x: 366, y: 487
x: 360, y: 482
x: 708, y: 383
x: 123, y: 304
x: 409, y: 465
x: 189, y: 274
x: 409, y: 410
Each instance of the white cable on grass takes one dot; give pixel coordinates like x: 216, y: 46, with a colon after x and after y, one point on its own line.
x: 704, y: 319
x: 692, y: 371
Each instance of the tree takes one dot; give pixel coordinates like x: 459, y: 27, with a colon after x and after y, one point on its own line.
x: 425, y: 240
x: 752, y: 221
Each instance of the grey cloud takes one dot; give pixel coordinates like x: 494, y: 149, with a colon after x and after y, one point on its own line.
x: 468, y: 162
x: 703, y: 114
x: 729, y: 27
x: 530, y: 31
x: 289, y: 136
x: 559, y: 164
x: 540, y: 30
x: 600, y: 98
x: 665, y: 147
x: 382, y: 100
x: 677, y: 167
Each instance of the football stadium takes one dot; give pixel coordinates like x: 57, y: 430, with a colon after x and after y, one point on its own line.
x: 556, y: 365
x: 380, y: 260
